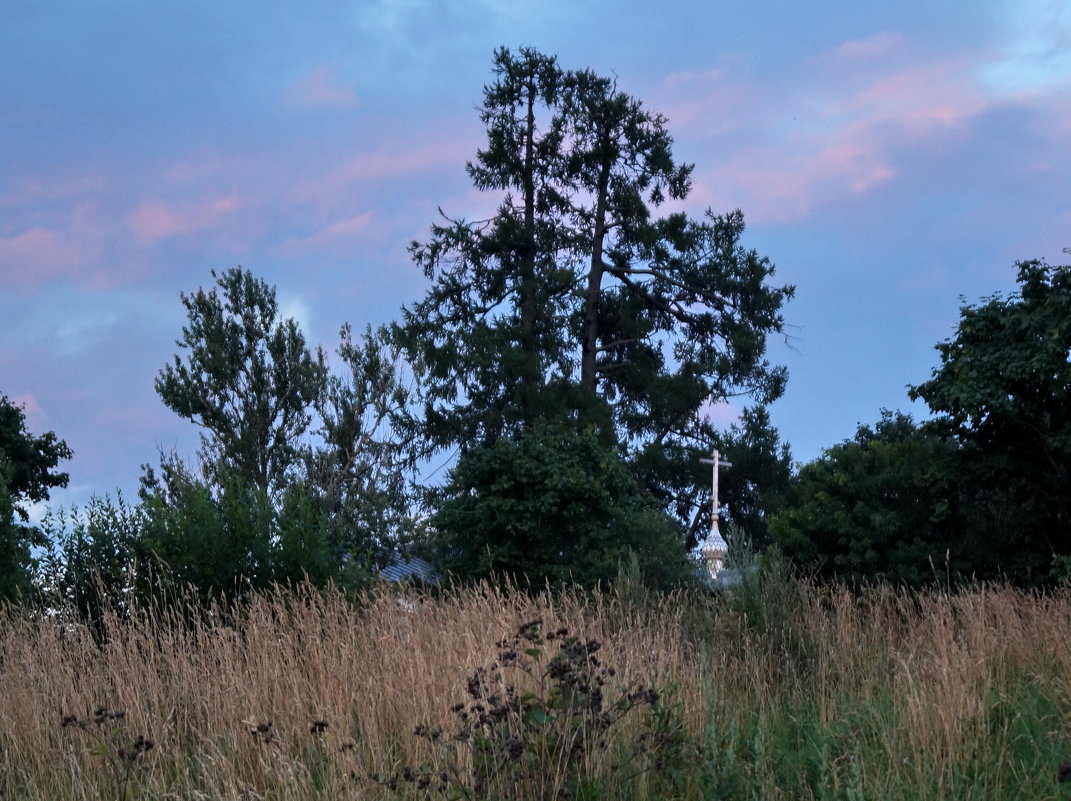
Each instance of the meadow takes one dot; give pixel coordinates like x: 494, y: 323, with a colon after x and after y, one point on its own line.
x: 776, y: 690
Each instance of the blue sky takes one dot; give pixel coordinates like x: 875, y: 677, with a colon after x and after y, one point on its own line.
x: 890, y: 159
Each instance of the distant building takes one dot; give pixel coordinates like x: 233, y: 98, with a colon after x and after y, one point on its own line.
x: 734, y: 576
x: 412, y: 569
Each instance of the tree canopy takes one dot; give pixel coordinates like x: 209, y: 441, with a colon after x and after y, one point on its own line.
x: 880, y: 506
x: 247, y: 379
x: 359, y: 470
x: 302, y: 469
x: 30, y: 460
x: 574, y: 287
x: 982, y: 490
x: 1003, y: 392
x: 575, y: 303
x: 553, y: 505
x: 27, y: 474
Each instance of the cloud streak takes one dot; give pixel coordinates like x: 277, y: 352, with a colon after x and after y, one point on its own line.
x: 847, y: 136
x: 362, y: 171
x: 340, y: 236
x: 67, y: 247
x: 878, y: 44
x: 322, y: 88
x: 155, y: 220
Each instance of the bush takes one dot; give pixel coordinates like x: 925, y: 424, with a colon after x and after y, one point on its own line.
x: 556, y: 505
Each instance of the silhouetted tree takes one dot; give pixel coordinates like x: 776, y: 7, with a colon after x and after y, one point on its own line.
x: 574, y: 304
x: 247, y: 379
x: 27, y: 474
x: 1003, y: 393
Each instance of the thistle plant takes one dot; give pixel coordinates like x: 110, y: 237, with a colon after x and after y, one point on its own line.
x: 111, y: 742
x: 534, y: 718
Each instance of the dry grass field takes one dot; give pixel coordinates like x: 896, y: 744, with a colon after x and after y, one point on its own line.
x: 785, y: 691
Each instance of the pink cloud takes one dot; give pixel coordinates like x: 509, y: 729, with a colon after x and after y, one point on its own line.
x: 853, y: 161
x: 155, y: 220
x: 24, y: 257
x: 392, y: 162
x: 721, y: 413
x: 845, y: 144
x: 339, y: 234
x: 319, y: 88
x: 871, y: 46
x: 35, y: 255
x: 785, y: 183
x: 706, y: 102
x: 30, y: 407
x: 932, y: 93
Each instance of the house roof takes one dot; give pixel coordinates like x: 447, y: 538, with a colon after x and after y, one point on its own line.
x: 401, y: 568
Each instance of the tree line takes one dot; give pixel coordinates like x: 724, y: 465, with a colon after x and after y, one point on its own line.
x: 564, y: 360
x: 982, y: 490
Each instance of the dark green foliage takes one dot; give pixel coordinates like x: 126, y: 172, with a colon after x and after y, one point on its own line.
x: 213, y: 540
x: 982, y: 491
x: 31, y: 461
x: 707, y: 311
x: 229, y: 536
x: 879, y: 506
x: 185, y: 538
x: 302, y: 543
x: 248, y: 379
x: 555, y: 504
x: 357, y: 474
x: 27, y: 473
x: 92, y: 556
x: 575, y: 302
x: 490, y: 332
x: 758, y: 483
x: 16, y: 542
x: 1003, y: 392
x: 268, y: 505
x: 303, y: 471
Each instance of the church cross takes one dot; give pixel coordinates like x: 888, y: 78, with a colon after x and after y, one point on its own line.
x: 716, y: 463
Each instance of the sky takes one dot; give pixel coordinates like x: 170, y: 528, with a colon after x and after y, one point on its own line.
x: 893, y: 160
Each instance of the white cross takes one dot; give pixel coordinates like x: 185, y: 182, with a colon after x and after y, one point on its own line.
x: 716, y: 463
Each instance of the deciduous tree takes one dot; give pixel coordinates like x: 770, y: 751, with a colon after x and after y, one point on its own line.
x: 359, y: 470
x: 27, y: 474
x: 554, y: 505
x: 1003, y: 392
x: 247, y: 378
x: 285, y: 442
x: 880, y: 506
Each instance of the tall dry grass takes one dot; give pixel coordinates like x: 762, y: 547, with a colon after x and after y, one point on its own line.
x: 794, y: 692
x: 196, y: 684
x: 897, y: 694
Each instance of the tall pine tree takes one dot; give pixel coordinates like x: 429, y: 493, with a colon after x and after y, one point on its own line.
x: 575, y: 302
